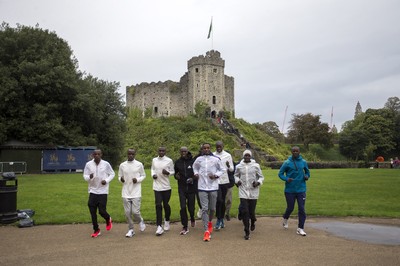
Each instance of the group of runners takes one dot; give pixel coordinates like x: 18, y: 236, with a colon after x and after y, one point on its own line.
x: 208, y: 177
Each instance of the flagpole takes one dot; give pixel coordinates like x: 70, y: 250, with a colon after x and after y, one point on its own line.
x: 211, y: 33
x: 212, y: 36
x: 284, y: 120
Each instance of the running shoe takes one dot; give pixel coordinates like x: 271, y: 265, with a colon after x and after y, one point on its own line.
x: 130, y: 233
x: 166, y: 226
x: 184, y: 231
x: 217, y: 225
x: 96, y: 233
x: 285, y: 223
x: 109, y: 224
x: 253, y: 227
x: 142, y: 226
x: 301, y: 232
x: 206, y: 236
x: 159, y: 231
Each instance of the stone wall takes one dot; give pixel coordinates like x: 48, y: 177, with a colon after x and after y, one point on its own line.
x: 205, y: 82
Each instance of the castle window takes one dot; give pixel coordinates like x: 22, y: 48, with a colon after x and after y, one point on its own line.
x: 197, y: 70
x: 214, y: 100
x: 156, y: 109
x: 215, y: 70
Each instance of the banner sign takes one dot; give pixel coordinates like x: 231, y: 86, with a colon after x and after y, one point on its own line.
x: 55, y: 160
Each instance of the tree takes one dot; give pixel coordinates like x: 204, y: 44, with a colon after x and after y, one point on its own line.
x: 308, y: 129
x: 393, y: 103
x: 38, y: 80
x: 352, y: 143
x: 202, y: 110
x: 45, y: 99
x: 272, y: 129
x: 103, y: 116
x: 370, y: 134
x: 380, y: 129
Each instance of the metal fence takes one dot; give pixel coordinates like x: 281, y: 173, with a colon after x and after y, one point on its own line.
x: 17, y: 167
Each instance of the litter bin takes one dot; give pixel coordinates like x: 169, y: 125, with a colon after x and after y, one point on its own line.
x: 8, y: 198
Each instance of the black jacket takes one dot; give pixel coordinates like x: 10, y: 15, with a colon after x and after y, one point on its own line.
x: 184, y: 169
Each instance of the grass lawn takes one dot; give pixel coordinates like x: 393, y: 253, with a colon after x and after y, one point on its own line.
x: 62, y: 198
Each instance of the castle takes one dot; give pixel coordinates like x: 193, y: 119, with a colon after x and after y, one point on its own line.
x: 205, y: 82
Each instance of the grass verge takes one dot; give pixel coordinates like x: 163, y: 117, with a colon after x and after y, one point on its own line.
x: 62, y: 198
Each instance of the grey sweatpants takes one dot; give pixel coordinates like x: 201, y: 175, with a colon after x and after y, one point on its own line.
x: 208, y: 200
x: 132, y: 208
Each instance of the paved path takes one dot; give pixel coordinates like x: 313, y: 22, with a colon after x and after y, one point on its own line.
x: 270, y: 244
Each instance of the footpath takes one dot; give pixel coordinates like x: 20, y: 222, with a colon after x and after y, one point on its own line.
x: 269, y: 244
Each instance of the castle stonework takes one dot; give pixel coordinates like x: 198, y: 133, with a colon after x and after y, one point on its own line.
x: 205, y: 82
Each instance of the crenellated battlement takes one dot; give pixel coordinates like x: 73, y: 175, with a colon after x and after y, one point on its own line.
x: 211, y: 58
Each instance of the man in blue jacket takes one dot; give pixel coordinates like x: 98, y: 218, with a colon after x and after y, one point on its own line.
x: 294, y: 171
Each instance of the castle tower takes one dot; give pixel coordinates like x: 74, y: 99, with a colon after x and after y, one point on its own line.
x: 207, y: 83
x: 204, y: 82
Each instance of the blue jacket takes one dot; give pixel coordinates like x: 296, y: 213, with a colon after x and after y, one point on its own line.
x: 296, y: 169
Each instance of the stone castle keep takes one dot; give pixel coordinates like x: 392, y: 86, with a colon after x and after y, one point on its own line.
x: 205, y: 82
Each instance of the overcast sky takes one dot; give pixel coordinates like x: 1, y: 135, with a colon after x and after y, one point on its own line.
x: 303, y: 55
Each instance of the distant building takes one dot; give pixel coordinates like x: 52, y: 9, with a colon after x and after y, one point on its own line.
x: 358, y: 110
x: 205, y: 82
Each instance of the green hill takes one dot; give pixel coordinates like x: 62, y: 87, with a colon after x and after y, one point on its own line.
x: 147, y: 134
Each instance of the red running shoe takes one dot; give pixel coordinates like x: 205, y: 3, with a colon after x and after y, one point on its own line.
x: 206, y: 236
x: 210, y: 227
x: 109, y: 224
x: 96, y: 233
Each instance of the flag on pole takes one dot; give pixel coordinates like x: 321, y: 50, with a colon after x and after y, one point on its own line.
x: 209, y: 31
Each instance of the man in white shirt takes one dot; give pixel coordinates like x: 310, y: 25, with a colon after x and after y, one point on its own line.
x: 226, y: 160
x: 207, y: 169
x: 131, y: 174
x: 161, y: 169
x: 98, y: 173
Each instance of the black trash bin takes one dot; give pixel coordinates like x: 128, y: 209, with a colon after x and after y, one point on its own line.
x: 8, y: 198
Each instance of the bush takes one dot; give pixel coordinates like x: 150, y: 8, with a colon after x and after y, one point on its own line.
x: 322, y: 165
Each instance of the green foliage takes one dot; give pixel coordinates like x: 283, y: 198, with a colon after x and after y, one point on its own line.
x: 393, y: 103
x: 38, y: 78
x: 308, y: 129
x: 260, y: 140
x: 332, y: 154
x: 373, y: 133
x: 202, y: 110
x: 272, y: 129
x: 131, y: 90
x: 330, y: 192
x: 45, y: 99
x: 147, y: 134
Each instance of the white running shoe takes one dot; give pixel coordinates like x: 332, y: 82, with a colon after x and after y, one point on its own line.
x: 142, y: 226
x: 199, y: 213
x: 301, y: 232
x: 166, y: 226
x: 159, y: 231
x: 285, y: 223
x: 184, y: 231
x: 130, y: 233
